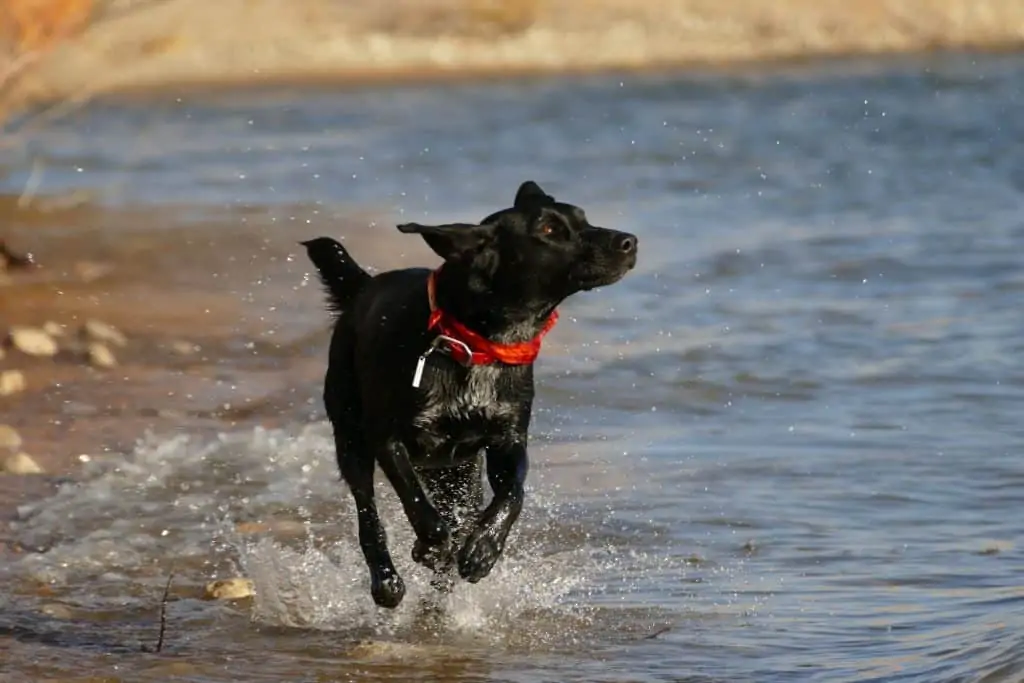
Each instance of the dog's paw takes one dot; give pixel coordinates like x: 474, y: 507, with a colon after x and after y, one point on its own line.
x: 387, y: 591
x: 478, y: 555
x: 436, y: 555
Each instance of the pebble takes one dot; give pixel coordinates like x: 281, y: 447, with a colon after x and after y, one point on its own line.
x: 183, y: 348
x: 10, y: 439
x: 246, y: 528
x: 11, y: 382
x: 32, y: 341
x: 97, y: 330
x: 281, y: 527
x: 21, y: 463
x: 55, y: 610
x: 89, y: 271
x: 54, y: 329
x: 228, y: 589
x: 100, y: 356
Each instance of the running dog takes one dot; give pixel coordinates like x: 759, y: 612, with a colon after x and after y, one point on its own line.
x: 430, y: 374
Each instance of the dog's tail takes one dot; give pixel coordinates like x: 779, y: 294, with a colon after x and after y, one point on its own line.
x: 340, y: 274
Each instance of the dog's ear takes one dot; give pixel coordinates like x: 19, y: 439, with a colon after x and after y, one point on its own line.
x: 530, y: 193
x: 452, y: 240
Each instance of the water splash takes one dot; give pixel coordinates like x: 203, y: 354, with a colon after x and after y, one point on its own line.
x: 326, y: 588
x: 267, y: 504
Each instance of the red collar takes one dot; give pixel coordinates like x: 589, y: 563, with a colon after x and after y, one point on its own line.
x: 481, y: 351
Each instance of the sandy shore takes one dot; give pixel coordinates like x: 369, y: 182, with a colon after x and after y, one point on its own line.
x: 203, y: 351
x: 165, y: 43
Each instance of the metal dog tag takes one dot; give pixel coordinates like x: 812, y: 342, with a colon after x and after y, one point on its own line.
x: 420, y: 364
x: 417, y: 376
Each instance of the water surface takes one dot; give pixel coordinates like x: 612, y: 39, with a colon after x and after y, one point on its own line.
x: 785, y: 448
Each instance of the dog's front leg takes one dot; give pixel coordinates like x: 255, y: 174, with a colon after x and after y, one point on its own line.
x: 506, y: 472
x: 433, y: 537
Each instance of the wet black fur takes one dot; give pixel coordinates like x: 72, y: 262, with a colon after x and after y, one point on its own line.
x: 502, y: 278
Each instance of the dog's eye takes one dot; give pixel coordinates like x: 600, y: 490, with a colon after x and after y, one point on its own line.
x: 553, y: 230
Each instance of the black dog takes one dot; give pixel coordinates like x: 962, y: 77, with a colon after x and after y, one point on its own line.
x: 428, y: 370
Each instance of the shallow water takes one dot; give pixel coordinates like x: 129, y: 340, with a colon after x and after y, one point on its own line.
x: 785, y: 448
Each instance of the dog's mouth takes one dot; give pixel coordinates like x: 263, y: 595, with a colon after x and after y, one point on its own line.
x: 593, y: 280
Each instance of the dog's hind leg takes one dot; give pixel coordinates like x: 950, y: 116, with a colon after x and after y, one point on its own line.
x: 357, y: 467
x: 356, y: 462
x: 458, y: 494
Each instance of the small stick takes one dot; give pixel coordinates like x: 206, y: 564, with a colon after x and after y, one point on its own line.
x: 163, y: 617
x: 163, y: 613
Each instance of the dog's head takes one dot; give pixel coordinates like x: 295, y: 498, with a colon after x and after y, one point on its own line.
x: 539, y: 248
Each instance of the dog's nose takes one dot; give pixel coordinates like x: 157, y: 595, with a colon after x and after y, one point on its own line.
x: 625, y: 243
